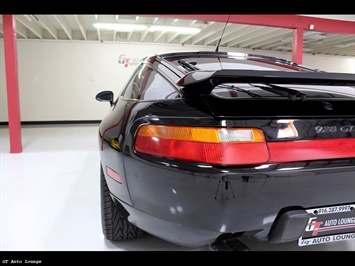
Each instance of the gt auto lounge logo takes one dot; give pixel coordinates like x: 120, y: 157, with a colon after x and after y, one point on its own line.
x: 329, y: 225
x: 335, y: 230
x: 313, y: 226
x: 127, y: 61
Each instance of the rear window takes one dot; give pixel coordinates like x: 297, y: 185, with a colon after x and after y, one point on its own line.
x: 232, y: 63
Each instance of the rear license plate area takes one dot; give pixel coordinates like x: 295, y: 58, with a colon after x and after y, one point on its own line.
x: 329, y: 224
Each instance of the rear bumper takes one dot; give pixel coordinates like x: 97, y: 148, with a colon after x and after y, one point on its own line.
x: 195, y: 208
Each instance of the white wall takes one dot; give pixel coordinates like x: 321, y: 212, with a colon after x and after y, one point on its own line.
x: 58, y: 80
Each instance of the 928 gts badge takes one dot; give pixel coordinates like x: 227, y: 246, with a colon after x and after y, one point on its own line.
x: 334, y: 129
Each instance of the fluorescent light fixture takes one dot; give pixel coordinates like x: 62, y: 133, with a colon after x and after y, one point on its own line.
x: 119, y: 27
x: 182, y: 30
x: 123, y: 27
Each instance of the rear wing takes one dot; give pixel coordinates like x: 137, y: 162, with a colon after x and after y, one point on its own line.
x: 203, y: 82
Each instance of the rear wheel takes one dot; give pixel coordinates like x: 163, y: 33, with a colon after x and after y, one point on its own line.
x: 114, y: 217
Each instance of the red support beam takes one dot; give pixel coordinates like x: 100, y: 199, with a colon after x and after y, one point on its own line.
x: 297, y: 45
x: 278, y: 21
x: 13, y: 98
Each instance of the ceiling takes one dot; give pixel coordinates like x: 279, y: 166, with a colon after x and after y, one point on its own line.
x: 235, y: 35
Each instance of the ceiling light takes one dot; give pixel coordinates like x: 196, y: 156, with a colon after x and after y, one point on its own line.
x: 182, y: 30
x: 119, y: 27
x: 125, y: 27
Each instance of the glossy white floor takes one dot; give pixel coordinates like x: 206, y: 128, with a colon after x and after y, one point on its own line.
x: 50, y: 197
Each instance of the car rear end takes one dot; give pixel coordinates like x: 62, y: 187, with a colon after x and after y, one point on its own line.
x: 269, y: 155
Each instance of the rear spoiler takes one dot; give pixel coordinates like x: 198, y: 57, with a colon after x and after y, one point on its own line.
x: 203, y: 82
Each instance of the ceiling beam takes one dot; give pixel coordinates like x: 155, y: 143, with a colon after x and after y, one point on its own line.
x: 211, y: 30
x: 80, y: 23
x: 227, y: 38
x: 44, y: 21
x: 185, y: 39
x: 276, y: 37
x: 32, y: 26
x: 65, y: 26
x: 258, y: 36
x: 171, y: 36
x: 98, y: 34
x: 234, y: 39
x: 280, y: 21
x: 22, y: 32
x: 144, y: 35
x: 158, y: 35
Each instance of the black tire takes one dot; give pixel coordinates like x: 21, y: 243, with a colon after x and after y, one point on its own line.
x: 114, y: 217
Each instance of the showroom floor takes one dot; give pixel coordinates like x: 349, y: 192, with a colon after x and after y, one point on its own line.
x: 50, y: 197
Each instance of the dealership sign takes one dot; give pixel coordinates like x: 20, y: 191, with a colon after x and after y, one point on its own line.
x: 127, y: 61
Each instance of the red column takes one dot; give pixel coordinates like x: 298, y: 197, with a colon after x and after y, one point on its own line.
x: 13, y: 98
x: 297, y: 45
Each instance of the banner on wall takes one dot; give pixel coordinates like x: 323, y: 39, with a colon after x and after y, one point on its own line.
x: 128, y: 61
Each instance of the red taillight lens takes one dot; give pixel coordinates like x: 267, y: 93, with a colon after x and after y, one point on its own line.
x: 306, y: 150
x: 206, y: 145
x: 239, y: 146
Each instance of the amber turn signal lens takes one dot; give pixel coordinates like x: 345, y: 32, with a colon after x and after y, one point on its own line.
x: 219, y: 146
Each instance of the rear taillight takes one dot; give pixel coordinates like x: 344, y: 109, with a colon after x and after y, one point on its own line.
x: 307, y: 150
x: 219, y: 146
x: 235, y: 146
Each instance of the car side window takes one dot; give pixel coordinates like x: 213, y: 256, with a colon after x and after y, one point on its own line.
x: 148, y: 84
x: 132, y: 88
x: 157, y: 87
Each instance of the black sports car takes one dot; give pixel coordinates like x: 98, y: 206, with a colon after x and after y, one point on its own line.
x: 204, y: 148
